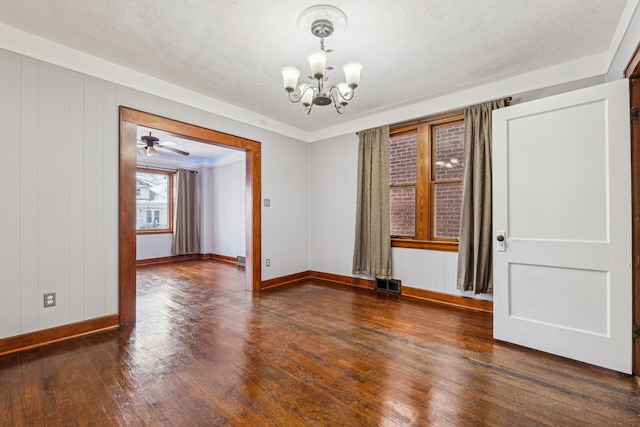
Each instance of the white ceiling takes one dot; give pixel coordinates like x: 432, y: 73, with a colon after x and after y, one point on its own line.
x: 411, y: 50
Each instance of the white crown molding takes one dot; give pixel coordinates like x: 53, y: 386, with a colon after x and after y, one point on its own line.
x: 36, y: 47
x: 567, y: 72
x: 621, y: 30
x: 42, y: 49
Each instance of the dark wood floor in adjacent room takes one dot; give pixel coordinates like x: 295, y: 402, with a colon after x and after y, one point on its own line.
x: 206, y: 353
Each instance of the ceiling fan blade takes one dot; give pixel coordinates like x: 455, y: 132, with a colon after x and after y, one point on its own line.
x: 175, y: 150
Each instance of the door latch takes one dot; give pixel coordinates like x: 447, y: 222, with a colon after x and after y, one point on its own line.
x: 502, y: 241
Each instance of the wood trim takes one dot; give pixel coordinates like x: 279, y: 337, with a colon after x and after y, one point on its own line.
x: 171, y: 180
x: 423, y: 244
x: 283, y: 280
x: 634, y: 98
x: 127, y: 220
x: 633, y: 67
x: 188, y: 257
x: 129, y: 120
x: 409, y: 292
x: 254, y: 221
x: 344, y: 280
x: 450, y: 300
x: 167, y: 259
x: 178, y: 129
x: 59, y: 333
x: 423, y: 218
x: 223, y: 258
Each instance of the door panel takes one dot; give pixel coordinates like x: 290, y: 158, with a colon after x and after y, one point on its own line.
x: 562, y: 193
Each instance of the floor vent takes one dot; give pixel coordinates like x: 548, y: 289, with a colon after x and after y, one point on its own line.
x: 389, y: 285
x: 241, y: 261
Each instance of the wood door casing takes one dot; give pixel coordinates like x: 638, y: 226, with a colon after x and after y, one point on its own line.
x: 129, y: 120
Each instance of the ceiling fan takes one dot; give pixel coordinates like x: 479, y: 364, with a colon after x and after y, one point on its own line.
x: 149, y: 145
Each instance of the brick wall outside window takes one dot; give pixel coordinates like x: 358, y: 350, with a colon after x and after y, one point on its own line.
x: 449, y: 147
x: 403, y: 169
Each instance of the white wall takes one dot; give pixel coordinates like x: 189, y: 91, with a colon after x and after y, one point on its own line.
x: 333, y: 172
x: 149, y: 246
x: 60, y: 203
x: 223, y: 209
x: 285, y: 224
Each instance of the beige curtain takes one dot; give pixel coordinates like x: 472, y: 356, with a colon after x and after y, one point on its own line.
x: 475, y: 269
x: 186, y: 239
x: 372, y: 251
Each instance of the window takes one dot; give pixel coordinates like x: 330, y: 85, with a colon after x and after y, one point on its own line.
x: 154, y: 201
x: 425, y: 175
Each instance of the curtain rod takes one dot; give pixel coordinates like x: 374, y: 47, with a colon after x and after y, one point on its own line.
x: 427, y: 118
x: 163, y: 169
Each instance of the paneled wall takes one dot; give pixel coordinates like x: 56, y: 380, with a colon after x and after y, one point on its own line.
x: 59, y: 165
x: 60, y: 205
x: 226, y: 201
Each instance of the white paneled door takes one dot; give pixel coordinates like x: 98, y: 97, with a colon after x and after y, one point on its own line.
x: 562, y: 201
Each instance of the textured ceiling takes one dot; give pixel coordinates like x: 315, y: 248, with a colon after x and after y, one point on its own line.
x: 411, y: 50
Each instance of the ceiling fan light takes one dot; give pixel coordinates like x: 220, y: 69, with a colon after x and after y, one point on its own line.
x: 352, y: 73
x: 318, y: 62
x: 152, y: 152
x: 142, y: 150
x: 290, y: 78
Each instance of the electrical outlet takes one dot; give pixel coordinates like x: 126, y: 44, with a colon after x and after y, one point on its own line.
x: 268, y: 262
x: 267, y: 203
x: 50, y: 299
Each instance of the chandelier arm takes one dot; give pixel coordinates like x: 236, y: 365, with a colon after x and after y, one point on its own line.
x: 293, y: 97
x: 349, y: 96
x: 334, y: 93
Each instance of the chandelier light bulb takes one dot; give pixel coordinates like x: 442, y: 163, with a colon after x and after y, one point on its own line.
x: 318, y: 62
x: 290, y: 78
x: 343, y: 93
x: 352, y: 73
x: 306, y: 92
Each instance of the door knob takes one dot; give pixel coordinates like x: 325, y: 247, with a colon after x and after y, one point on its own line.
x: 502, y: 243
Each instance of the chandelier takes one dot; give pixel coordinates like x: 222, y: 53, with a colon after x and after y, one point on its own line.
x: 322, y: 25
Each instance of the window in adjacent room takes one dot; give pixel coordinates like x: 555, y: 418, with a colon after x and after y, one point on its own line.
x: 154, y: 201
x: 425, y: 174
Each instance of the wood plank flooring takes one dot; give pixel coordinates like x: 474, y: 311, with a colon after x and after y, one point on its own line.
x: 206, y: 353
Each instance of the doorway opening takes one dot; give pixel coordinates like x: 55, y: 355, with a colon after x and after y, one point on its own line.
x: 129, y: 121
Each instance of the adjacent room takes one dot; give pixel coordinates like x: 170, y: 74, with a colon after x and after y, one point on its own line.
x: 296, y: 213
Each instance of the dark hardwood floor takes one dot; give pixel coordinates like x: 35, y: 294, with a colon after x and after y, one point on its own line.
x: 206, y: 353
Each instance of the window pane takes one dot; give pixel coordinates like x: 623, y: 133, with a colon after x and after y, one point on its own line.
x: 449, y: 151
x: 403, y: 211
x: 448, y: 203
x: 403, y: 159
x: 152, y: 204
